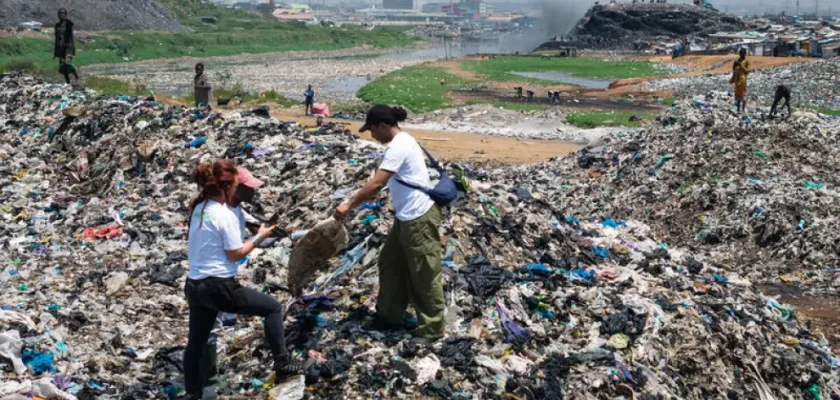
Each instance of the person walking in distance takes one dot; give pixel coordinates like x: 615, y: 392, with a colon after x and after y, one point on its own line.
x: 410, y: 261
x: 203, y: 89
x: 65, y: 46
x: 740, y: 70
x: 309, y: 99
x: 214, y: 246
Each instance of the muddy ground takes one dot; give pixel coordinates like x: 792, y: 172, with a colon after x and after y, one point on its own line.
x: 822, y: 312
x: 460, y: 147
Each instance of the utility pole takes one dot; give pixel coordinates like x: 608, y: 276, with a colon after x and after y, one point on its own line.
x: 797, y: 8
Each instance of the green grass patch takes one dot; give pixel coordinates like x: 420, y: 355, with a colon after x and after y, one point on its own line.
x: 500, y: 68
x: 416, y: 88
x: 595, y: 119
x: 116, y: 87
x: 669, y: 101
x: 234, y: 32
x: 823, y: 110
x: 119, y: 47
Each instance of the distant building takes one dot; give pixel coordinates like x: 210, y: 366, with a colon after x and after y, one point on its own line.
x: 433, y: 7
x: 398, y: 4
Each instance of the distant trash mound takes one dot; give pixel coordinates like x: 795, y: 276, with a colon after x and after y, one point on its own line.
x: 91, y: 15
x: 650, y: 20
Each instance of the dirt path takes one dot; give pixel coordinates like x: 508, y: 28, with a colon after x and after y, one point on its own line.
x: 708, y: 65
x: 822, y: 311
x: 460, y: 147
x: 577, y: 97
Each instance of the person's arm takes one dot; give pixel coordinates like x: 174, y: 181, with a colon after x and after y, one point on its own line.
x: 70, y: 42
x: 240, y: 253
x: 251, y: 223
x: 745, y: 68
x: 367, y: 192
x: 203, y: 82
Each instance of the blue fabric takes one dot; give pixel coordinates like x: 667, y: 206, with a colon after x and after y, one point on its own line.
x: 611, y: 223
x: 581, y: 273
x: 625, y: 372
x: 371, y: 206
x: 572, y: 220
x: 39, y: 362
x: 599, y: 251
x: 512, y: 330
x: 538, y: 269
x: 197, y: 142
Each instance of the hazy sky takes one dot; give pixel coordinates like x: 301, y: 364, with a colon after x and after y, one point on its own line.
x: 749, y: 6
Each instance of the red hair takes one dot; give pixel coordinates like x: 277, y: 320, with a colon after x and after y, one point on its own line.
x: 213, y: 180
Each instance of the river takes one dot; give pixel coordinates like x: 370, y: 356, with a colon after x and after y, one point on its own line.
x: 335, y: 75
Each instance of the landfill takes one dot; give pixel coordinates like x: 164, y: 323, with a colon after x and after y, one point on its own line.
x: 812, y: 83
x: 559, y: 282
x: 93, y: 15
x: 619, y: 21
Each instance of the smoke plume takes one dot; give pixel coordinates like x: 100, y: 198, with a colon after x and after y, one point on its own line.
x: 560, y: 16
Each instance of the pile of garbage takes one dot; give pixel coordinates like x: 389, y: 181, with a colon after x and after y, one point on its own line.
x: 552, y: 292
x: 815, y: 83
x: 756, y: 194
x: 93, y: 15
x: 650, y: 20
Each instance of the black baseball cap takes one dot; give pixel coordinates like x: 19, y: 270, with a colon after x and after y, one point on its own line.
x: 382, y: 114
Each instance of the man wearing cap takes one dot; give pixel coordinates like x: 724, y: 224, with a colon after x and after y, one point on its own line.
x: 410, y: 261
x: 245, y: 192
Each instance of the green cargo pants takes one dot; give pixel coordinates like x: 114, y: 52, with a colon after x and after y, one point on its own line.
x: 410, y: 270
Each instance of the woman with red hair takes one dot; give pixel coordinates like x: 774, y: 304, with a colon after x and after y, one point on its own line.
x: 214, y: 248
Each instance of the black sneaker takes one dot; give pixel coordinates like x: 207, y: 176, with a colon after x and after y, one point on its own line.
x: 379, y: 325
x: 287, y: 367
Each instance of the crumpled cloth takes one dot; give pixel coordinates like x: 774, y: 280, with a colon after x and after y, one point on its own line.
x: 10, y: 349
x: 312, y: 252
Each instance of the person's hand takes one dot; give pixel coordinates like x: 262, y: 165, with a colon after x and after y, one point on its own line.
x: 265, y: 231
x: 341, y: 211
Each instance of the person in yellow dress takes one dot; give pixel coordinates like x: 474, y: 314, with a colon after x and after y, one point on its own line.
x: 740, y: 70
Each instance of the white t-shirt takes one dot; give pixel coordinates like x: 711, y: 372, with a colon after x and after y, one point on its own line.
x: 404, y: 158
x: 242, y: 216
x: 206, y: 247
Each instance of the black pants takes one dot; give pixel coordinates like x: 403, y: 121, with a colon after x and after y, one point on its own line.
x: 66, y: 69
x: 207, y: 297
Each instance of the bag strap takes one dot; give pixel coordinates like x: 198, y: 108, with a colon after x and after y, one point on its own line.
x: 435, y: 163
x: 413, y: 186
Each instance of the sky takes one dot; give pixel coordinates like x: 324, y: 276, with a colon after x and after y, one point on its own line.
x: 734, y: 6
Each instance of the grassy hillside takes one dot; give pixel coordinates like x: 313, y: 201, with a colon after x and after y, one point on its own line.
x: 234, y: 32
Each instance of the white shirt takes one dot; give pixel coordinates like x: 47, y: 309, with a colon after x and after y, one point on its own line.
x: 404, y: 158
x: 219, y: 231
x: 243, y: 218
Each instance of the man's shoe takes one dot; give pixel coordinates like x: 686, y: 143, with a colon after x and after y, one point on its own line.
x: 287, y: 367
x: 380, y: 325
